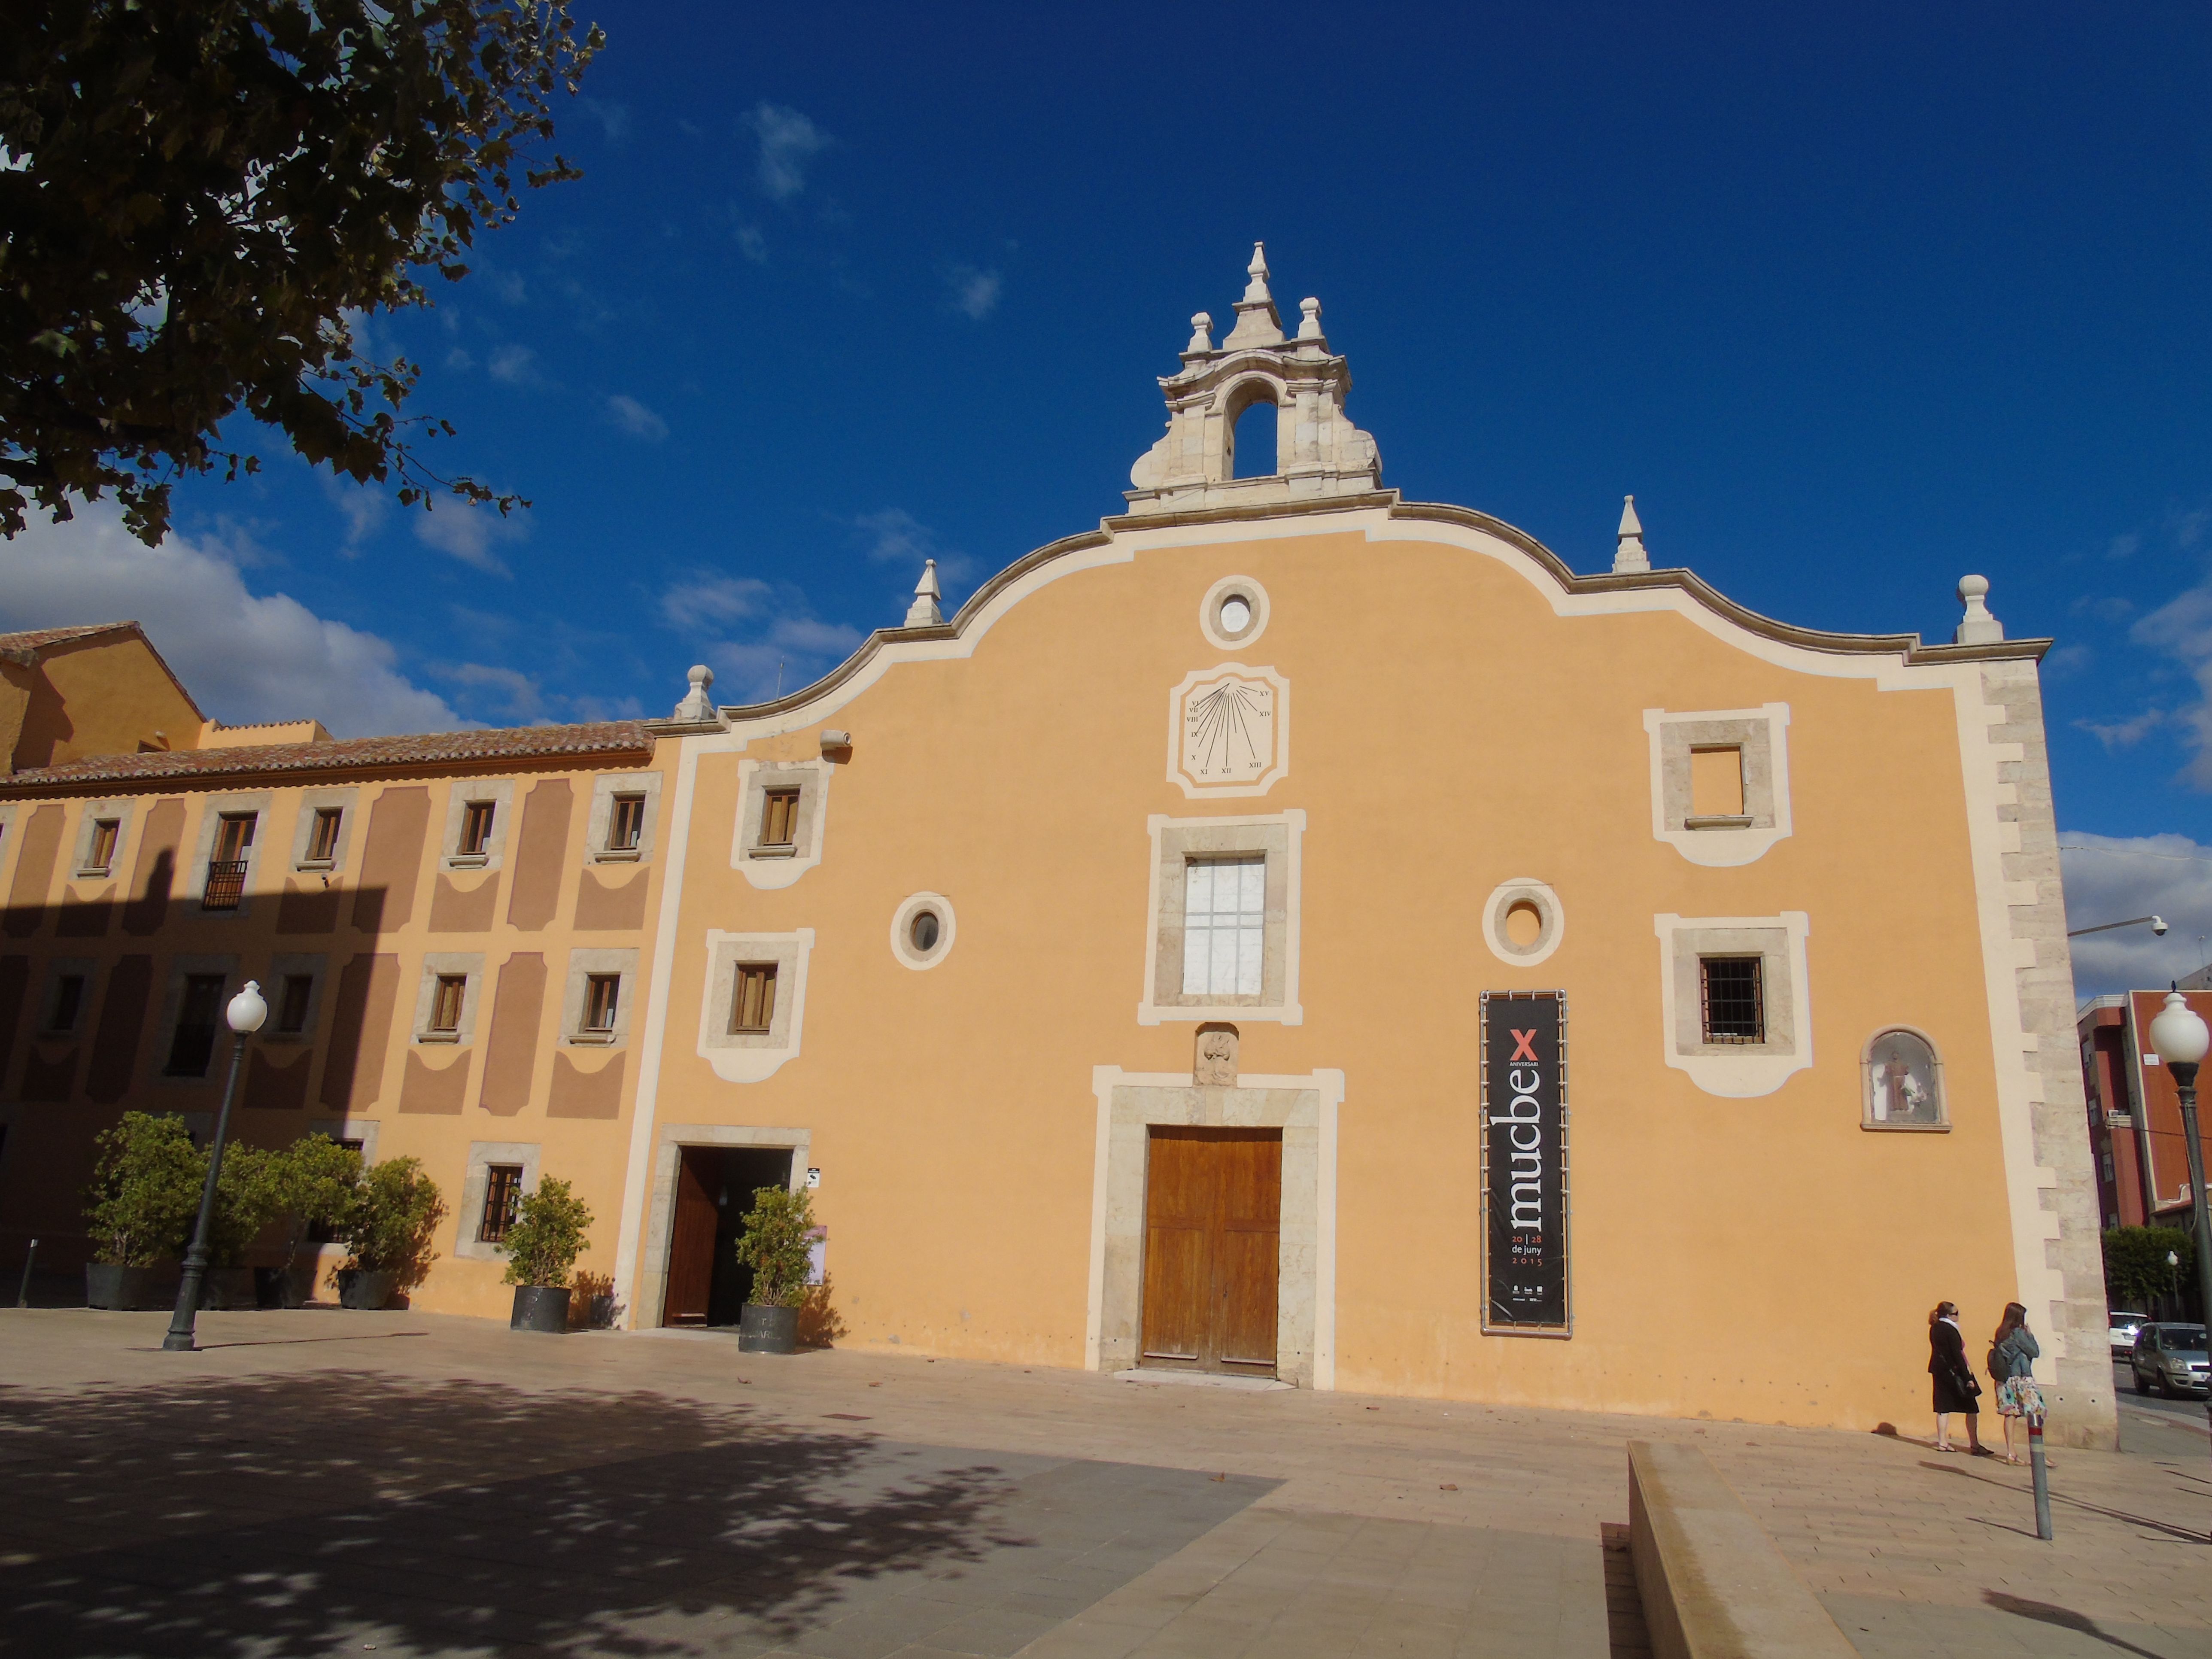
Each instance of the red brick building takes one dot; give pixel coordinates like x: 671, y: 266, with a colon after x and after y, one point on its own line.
x: 2135, y: 1112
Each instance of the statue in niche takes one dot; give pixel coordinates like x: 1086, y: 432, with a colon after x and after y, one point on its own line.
x: 1216, y: 1068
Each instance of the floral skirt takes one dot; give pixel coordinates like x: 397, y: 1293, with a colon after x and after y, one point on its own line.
x: 2018, y: 1396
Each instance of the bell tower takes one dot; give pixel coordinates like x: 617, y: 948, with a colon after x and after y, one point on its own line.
x: 1318, y: 452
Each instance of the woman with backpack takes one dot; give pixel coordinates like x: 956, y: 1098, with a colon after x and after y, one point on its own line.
x: 1955, y: 1387
x: 2013, y: 1354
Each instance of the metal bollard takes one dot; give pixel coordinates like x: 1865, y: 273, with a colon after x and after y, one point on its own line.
x: 23, y: 1289
x: 2042, y: 1476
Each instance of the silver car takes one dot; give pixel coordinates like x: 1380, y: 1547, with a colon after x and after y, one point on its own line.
x: 2170, y: 1360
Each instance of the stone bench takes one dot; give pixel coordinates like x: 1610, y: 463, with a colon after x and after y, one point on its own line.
x: 1712, y: 1583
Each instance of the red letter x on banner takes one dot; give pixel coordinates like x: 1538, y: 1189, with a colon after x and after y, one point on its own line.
x: 1523, y: 1045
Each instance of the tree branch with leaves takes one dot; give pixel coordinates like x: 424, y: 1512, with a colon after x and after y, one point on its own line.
x: 204, y: 199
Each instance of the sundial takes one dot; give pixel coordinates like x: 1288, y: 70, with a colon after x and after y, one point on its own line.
x: 1229, y: 730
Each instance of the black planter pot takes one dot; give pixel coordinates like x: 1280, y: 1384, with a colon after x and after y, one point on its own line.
x: 540, y: 1307
x: 226, y: 1289
x: 768, y: 1330
x: 366, y: 1288
x: 109, y: 1287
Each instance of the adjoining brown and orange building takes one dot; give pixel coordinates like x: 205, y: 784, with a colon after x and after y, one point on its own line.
x: 2140, y: 1150
x: 1285, y: 931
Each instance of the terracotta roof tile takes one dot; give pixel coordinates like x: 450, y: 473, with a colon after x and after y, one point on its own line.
x: 607, y: 738
x: 33, y: 639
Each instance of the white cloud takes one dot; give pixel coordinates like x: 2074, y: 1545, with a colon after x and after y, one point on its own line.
x: 2112, y: 879
x: 895, y: 537
x: 975, y: 293
x: 243, y: 657
x: 2182, y: 629
x: 788, y: 141
x: 516, y: 365
x: 526, y: 699
x: 468, y: 532
x: 805, y: 634
x: 459, y: 361
x: 364, y: 506
x: 2127, y: 734
x: 615, y: 117
x: 634, y: 418
x: 702, y: 598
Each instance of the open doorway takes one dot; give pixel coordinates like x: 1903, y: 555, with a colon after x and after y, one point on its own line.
x: 714, y: 1187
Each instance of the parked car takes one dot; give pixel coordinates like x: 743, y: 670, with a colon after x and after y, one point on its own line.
x: 2170, y: 1360
x: 2124, y: 1327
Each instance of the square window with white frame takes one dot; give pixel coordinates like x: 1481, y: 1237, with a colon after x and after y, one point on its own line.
x: 1224, y: 925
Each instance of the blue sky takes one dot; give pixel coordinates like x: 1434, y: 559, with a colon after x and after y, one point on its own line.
x: 1854, y: 304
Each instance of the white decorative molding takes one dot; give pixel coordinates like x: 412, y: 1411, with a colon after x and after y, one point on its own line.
x: 1175, y: 841
x: 755, y: 778
x: 753, y: 1057
x: 948, y: 925
x: 1552, y: 914
x: 1209, y: 613
x: 1744, y: 1072
x: 1763, y: 735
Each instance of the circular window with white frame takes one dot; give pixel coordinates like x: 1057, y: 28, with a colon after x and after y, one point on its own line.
x: 1522, y: 923
x: 922, y: 930
x: 1235, y: 612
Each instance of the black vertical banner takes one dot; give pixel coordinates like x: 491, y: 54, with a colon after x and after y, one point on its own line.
x: 1524, y: 1155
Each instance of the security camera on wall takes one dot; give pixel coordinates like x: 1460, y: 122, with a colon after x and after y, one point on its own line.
x: 2158, y: 926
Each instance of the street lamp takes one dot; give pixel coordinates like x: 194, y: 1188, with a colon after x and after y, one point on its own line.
x: 245, y: 1013
x: 2157, y: 926
x: 2180, y: 1038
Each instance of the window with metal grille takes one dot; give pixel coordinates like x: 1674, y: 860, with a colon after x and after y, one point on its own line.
x: 197, y: 1015
x: 292, y: 1007
x: 626, y: 824
x: 779, y: 816
x: 752, y: 1001
x: 601, y: 992
x: 475, y: 827
x: 503, y: 1198
x: 322, y: 842
x: 1225, y: 924
x: 226, y: 870
x: 101, y: 851
x: 69, y: 1003
x: 1735, y: 999
x: 445, y: 1002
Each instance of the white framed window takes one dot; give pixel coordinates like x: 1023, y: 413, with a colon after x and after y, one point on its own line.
x: 1720, y: 780
x: 478, y: 811
x: 1903, y: 1079
x: 446, y: 1001
x: 1223, y: 912
x: 323, y: 829
x: 923, y: 929
x: 99, y: 841
x: 782, y: 806
x: 484, y: 1194
x: 597, y: 998
x: 625, y: 811
x: 228, y: 854
x: 753, y: 1011
x: 1736, y: 1011
x: 1224, y: 925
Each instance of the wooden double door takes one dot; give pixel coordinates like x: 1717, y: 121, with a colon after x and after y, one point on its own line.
x: 714, y: 1186
x: 1213, y: 1208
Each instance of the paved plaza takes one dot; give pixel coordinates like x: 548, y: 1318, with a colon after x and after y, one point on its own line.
x: 318, y: 1482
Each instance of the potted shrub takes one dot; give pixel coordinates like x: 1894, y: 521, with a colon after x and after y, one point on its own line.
x: 314, y: 1179
x: 145, y: 1195
x: 778, y: 1229
x: 247, y: 1198
x: 542, y: 1248
x: 388, y: 1227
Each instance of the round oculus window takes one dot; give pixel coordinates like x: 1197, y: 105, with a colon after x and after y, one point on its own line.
x: 922, y: 932
x: 1236, y: 614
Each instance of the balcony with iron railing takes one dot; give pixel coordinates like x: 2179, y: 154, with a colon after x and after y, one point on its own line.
x: 225, y: 884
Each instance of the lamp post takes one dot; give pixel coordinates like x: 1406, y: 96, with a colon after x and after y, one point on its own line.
x: 2180, y: 1038
x: 245, y: 1013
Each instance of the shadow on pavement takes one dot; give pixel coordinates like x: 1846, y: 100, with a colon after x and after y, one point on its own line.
x: 280, y: 1517
x: 2065, y: 1617
x: 2167, y: 1528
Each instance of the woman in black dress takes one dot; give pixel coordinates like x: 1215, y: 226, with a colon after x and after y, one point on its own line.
x: 1956, y: 1384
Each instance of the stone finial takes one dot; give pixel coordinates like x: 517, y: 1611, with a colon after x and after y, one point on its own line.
x: 923, y: 613
x: 1309, y: 327
x: 696, y: 704
x: 1201, y: 335
x: 1978, y: 626
x: 1628, y: 552
x: 1258, y: 323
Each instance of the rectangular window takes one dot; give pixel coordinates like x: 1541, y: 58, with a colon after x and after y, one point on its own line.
x: 292, y: 1006
x: 601, y: 992
x: 1225, y: 921
x: 626, y: 824
x: 779, y: 817
x: 101, y: 853
x: 198, y: 1016
x: 1733, y: 998
x: 475, y: 827
x: 445, y: 1002
x: 752, y: 1006
x: 69, y: 1003
x: 323, y: 840
x: 503, y: 1198
x: 226, y: 870
x: 1716, y: 782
